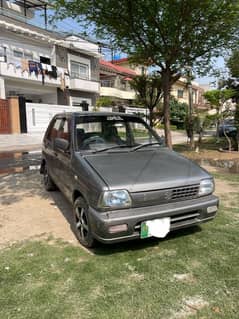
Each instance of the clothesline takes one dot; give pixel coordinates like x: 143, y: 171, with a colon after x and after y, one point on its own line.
x: 41, y: 69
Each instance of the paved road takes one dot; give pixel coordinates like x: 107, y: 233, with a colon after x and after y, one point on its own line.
x: 30, y: 142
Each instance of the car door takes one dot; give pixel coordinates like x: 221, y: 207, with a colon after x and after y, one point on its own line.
x: 63, y: 161
x: 49, y: 152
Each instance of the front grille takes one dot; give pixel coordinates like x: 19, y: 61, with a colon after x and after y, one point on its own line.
x: 184, y: 192
x: 164, y: 196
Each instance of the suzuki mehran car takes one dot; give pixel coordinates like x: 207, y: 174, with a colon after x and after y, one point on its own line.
x: 122, y: 181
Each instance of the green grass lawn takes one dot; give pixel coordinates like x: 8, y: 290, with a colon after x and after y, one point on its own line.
x: 190, y: 274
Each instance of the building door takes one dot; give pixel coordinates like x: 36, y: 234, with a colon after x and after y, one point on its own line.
x: 5, y: 122
x: 23, y: 116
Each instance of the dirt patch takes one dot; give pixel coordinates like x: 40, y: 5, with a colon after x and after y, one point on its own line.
x: 190, y: 306
x: 187, y: 278
x: 211, y: 154
x: 28, y: 211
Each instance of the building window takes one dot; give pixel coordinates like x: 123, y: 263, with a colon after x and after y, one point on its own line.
x: 21, y: 55
x: 79, y: 70
x: 107, y: 83
x: 18, y: 54
x: 45, y: 60
x: 180, y: 93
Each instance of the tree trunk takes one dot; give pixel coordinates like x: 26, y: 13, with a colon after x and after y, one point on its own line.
x: 217, y: 130
x: 166, y: 107
x: 150, y: 117
x: 190, y: 117
x: 228, y: 139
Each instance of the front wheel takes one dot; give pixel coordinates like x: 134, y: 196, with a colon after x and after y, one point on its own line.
x: 82, y: 226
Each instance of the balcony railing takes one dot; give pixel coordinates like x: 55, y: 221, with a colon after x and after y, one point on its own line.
x: 15, y: 70
x: 85, y: 85
x: 113, y: 92
x: 112, y: 84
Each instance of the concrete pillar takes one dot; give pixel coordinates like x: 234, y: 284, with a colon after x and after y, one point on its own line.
x: 2, y: 88
x: 13, y: 103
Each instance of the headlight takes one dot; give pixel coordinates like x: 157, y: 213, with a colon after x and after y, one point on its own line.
x: 115, y: 199
x: 206, y: 187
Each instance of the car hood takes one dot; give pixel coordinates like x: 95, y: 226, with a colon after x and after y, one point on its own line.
x: 145, y: 170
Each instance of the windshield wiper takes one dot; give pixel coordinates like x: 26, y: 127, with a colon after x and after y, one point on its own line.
x: 110, y: 148
x: 144, y: 145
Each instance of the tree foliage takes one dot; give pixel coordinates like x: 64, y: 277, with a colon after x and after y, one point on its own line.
x: 167, y: 34
x: 104, y: 101
x: 218, y: 99
x: 233, y: 64
x: 233, y: 83
x: 178, y: 112
x: 149, y: 92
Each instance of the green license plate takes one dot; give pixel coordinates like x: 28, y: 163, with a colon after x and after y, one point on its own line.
x: 144, y: 231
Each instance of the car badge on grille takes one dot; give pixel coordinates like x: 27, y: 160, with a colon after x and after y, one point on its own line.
x: 167, y: 195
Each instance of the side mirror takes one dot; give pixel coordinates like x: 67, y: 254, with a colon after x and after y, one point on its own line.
x: 61, y: 144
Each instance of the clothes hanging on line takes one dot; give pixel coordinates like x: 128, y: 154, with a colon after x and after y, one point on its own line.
x: 24, y: 64
x: 33, y: 67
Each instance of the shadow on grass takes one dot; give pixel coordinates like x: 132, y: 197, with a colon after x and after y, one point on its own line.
x: 139, y: 244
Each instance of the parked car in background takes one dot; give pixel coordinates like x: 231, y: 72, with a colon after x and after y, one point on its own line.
x: 122, y: 181
x: 227, y: 127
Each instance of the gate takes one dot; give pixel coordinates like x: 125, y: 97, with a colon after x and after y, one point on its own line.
x: 5, y: 122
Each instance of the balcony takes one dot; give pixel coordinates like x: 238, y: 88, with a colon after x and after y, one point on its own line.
x: 84, y: 85
x: 11, y: 71
x: 121, y: 94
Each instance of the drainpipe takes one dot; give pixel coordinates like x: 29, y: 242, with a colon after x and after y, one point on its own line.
x: 190, y: 106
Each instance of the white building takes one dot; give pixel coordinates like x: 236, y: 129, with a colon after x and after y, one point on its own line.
x: 43, y: 66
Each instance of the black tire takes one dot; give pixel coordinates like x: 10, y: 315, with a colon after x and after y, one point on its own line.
x: 81, y: 223
x: 47, y: 180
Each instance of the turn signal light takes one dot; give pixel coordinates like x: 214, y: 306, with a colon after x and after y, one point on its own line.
x: 118, y: 228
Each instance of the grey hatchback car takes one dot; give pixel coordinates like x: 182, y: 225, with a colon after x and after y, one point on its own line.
x: 122, y: 181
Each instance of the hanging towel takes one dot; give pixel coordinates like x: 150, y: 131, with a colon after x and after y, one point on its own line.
x: 42, y: 72
x: 25, y: 66
x: 49, y: 67
x: 18, y: 65
x: 33, y: 67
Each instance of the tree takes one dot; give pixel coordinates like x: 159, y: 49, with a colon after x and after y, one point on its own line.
x: 149, y: 92
x: 104, y: 101
x: 217, y: 100
x: 167, y: 34
x: 178, y: 112
x: 233, y: 83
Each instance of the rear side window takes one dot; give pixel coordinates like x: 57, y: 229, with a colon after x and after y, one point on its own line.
x: 64, y: 130
x: 59, y: 129
x: 55, y: 129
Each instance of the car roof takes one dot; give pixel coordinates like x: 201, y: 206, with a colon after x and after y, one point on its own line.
x: 84, y: 113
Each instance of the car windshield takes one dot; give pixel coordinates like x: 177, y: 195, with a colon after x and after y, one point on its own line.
x: 104, y: 132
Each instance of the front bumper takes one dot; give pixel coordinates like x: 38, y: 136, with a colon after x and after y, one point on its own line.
x: 183, y: 214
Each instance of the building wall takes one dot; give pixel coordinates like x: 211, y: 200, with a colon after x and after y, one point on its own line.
x: 80, y: 95
x: 12, y: 41
x: 61, y: 57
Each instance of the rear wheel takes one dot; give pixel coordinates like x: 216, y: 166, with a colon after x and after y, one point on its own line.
x: 82, y: 226
x: 47, y: 180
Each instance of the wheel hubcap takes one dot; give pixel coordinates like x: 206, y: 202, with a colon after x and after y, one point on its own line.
x: 81, y: 222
